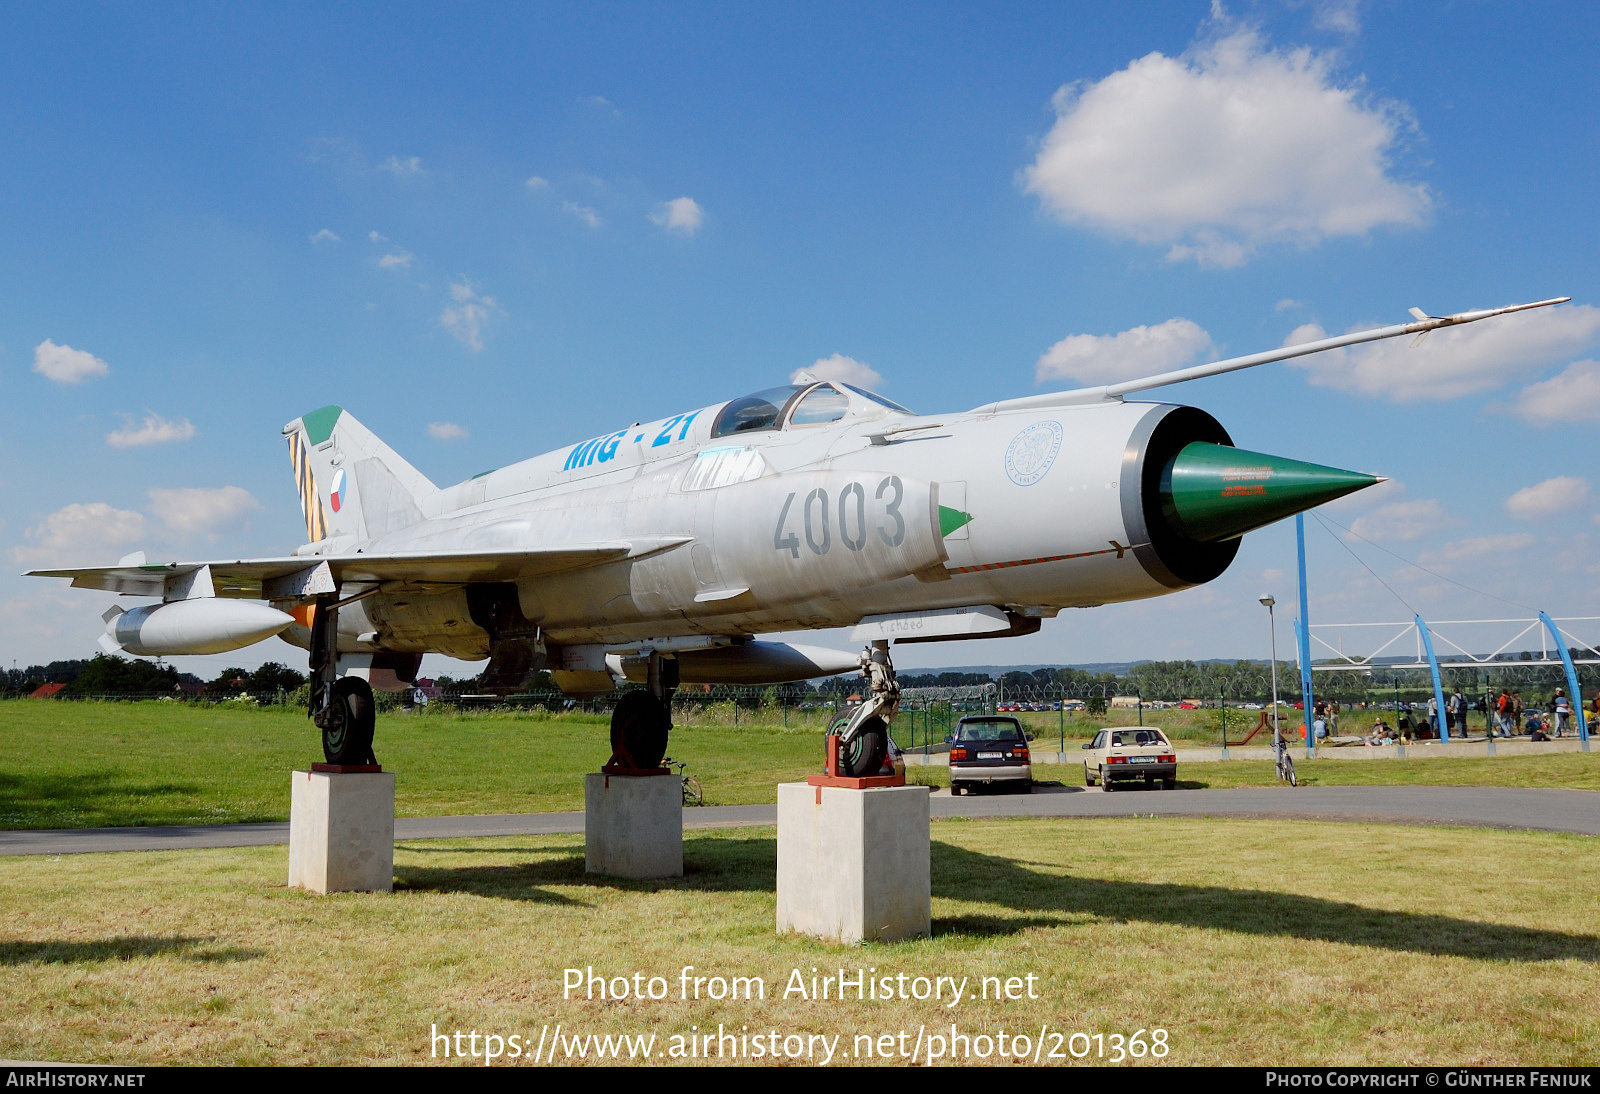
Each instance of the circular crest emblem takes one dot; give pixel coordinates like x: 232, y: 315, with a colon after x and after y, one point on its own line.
x: 1032, y: 452
x: 336, y: 495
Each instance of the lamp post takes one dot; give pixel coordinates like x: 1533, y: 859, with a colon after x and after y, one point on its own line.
x: 1272, y: 624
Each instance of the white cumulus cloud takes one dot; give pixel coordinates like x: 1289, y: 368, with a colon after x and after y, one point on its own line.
x: 1573, y: 395
x: 411, y: 165
x: 583, y: 213
x: 846, y: 370
x: 398, y: 261
x: 323, y: 235
x: 446, y: 431
x: 1403, y: 520
x: 202, y: 509
x: 468, y: 315
x: 1454, y: 361
x: 66, y: 365
x: 1108, y: 358
x: 1550, y: 497
x: 1478, y: 546
x: 537, y: 183
x: 1228, y: 147
x: 153, y: 430
x: 680, y: 215
x: 80, y: 533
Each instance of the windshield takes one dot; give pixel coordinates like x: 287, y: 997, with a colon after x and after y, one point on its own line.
x: 864, y: 393
x: 759, y: 411
x: 989, y: 731
x: 823, y: 404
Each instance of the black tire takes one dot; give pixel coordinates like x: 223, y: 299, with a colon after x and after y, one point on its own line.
x: 955, y: 789
x: 1292, y: 780
x: 1172, y: 783
x: 692, y: 794
x: 352, y: 716
x: 1105, y: 783
x: 640, y: 724
x: 1088, y: 779
x: 863, y: 756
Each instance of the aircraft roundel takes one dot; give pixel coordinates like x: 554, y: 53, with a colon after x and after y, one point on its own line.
x: 1032, y: 452
x: 336, y: 494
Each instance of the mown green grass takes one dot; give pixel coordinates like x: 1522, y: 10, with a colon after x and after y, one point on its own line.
x: 75, y: 765
x: 1349, y: 945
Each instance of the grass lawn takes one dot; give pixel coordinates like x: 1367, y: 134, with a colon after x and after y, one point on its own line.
x: 1347, y: 944
x: 84, y: 765
x: 75, y: 765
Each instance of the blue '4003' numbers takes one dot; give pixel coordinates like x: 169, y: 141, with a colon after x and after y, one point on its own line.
x: 816, y: 515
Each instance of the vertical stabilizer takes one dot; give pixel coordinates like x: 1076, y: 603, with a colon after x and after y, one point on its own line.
x: 350, y: 482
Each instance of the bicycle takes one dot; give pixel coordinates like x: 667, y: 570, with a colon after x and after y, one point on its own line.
x: 692, y: 794
x: 1285, y: 763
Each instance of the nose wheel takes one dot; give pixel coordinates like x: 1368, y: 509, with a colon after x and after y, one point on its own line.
x: 864, y: 733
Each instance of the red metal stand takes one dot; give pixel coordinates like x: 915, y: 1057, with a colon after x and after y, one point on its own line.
x: 831, y: 776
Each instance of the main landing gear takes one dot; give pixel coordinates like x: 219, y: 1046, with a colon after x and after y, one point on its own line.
x: 864, y: 733
x: 642, y: 720
x: 342, y: 707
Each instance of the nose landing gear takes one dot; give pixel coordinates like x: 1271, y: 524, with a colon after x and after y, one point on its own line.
x: 864, y: 733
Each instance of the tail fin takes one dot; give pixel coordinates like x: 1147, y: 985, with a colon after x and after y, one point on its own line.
x: 350, y: 482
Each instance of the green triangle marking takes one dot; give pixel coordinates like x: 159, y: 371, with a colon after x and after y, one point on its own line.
x: 951, y: 519
x: 319, y: 424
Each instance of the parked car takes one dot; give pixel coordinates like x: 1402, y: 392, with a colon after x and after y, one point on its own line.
x: 990, y: 750
x: 1129, y: 755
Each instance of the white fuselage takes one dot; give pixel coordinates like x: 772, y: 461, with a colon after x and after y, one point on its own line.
x: 784, y: 529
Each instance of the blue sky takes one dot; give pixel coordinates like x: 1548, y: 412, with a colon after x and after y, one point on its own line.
x: 492, y: 230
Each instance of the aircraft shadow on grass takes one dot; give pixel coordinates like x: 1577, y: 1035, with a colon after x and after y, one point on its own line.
x: 1037, y: 898
x: 126, y: 948
x: 63, y: 800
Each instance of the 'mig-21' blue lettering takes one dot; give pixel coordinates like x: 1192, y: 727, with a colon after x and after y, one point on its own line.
x: 603, y: 449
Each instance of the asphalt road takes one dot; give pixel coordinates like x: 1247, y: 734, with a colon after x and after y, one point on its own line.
x: 1575, y: 811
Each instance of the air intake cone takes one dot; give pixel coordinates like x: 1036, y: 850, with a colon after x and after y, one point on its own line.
x: 1211, y: 492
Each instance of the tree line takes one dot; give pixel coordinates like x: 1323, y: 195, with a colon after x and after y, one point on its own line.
x: 105, y: 674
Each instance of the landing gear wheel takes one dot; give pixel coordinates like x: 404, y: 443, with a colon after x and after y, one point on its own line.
x: 639, y: 727
x: 347, y: 738
x: 863, y: 756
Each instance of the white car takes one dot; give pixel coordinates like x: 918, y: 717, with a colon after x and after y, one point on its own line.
x: 1130, y: 754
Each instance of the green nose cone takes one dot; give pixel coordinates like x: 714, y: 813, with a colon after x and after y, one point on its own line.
x: 1211, y: 492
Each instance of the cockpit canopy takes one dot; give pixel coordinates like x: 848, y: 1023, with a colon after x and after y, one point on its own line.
x: 794, y: 405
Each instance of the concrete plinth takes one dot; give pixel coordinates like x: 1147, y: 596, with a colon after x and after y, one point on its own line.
x: 854, y: 867
x: 341, y: 832
x: 633, y: 825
